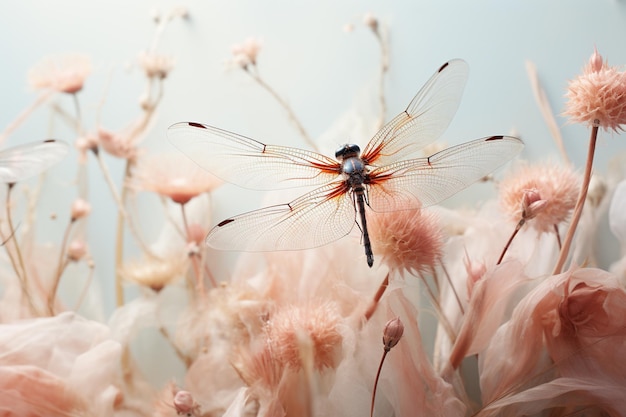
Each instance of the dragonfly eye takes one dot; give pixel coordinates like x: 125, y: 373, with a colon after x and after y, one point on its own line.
x: 347, y: 151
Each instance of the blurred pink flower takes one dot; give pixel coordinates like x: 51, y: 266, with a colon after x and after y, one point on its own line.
x: 56, y: 366
x: 556, y: 185
x: 173, y: 175
x: 155, y: 65
x: 65, y: 74
x: 155, y: 273
x: 245, y: 53
x: 117, y: 144
x: 597, y: 97
x: 568, y: 331
x: 407, y: 240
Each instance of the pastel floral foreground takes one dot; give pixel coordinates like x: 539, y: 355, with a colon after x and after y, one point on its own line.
x: 317, y: 332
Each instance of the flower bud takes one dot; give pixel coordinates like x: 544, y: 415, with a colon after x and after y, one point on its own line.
x: 80, y: 209
x: 184, y: 402
x: 392, y: 333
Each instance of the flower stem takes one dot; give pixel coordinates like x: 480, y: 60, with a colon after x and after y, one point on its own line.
x: 508, y: 243
x: 379, y: 293
x: 292, y: 116
x: 60, y: 267
x: 195, y: 257
x: 384, y: 68
x: 380, y: 367
x: 578, y: 209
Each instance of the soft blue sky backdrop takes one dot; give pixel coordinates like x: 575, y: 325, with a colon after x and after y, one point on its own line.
x: 320, y: 69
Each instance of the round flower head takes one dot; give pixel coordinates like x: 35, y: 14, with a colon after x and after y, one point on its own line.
x: 65, y: 74
x: 174, y: 176
x: 317, y: 322
x: 597, y: 97
x: 407, y: 240
x: 552, y: 188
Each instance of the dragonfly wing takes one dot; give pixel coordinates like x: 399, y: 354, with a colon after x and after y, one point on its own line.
x: 314, y: 219
x: 424, y: 120
x: 249, y: 163
x: 21, y: 162
x: 423, y: 182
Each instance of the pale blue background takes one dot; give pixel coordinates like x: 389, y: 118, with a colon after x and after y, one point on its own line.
x: 309, y: 59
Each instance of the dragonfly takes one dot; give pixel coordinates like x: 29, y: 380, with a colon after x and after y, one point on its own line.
x: 24, y: 161
x: 389, y: 174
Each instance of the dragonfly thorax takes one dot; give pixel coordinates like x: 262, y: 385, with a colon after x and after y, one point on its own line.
x: 347, y: 151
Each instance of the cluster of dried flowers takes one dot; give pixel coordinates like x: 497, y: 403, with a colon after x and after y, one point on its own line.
x: 309, y: 333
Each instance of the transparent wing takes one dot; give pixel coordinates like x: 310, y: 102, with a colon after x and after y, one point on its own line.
x: 248, y: 163
x: 426, y: 181
x: 315, y: 219
x: 25, y: 161
x: 424, y: 120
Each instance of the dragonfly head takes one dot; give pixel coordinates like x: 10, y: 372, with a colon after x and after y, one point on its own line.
x: 347, y: 151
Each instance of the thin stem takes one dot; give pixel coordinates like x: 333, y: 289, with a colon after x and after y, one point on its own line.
x: 14, y: 263
x: 578, y: 209
x: 55, y: 286
x: 42, y: 98
x: 380, y: 368
x: 379, y: 294
x: 119, y: 244
x: 292, y: 116
x: 452, y: 287
x: 558, y: 236
x: 384, y: 68
x: 443, y: 319
x: 508, y: 243
x: 546, y: 110
x: 195, y: 261
x: 83, y: 293
x: 18, y: 252
x: 79, y: 127
x: 181, y: 355
x: 60, y: 268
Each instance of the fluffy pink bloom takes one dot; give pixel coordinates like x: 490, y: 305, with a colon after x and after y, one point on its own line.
x: 553, y: 185
x: 407, y: 240
x: 245, y: 54
x: 597, y: 97
x: 175, y: 176
x: 317, y: 322
x: 64, y: 74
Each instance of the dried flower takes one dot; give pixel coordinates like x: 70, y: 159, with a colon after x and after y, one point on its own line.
x: 116, y: 144
x: 532, y: 204
x: 80, y: 209
x: 597, y: 97
x: 155, y: 273
x: 392, y: 333
x: 546, y: 192
x: 174, y: 176
x: 85, y: 144
x: 76, y: 250
x: 65, y: 74
x: 185, y: 404
x: 318, y: 322
x: 370, y: 21
x: 245, y: 54
x: 407, y: 240
x: 156, y: 65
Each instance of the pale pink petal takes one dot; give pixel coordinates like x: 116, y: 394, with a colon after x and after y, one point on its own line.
x: 486, y: 309
x: 412, y: 385
x: 595, y: 397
